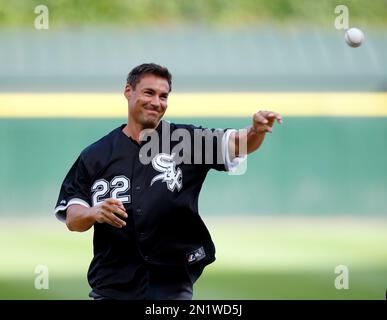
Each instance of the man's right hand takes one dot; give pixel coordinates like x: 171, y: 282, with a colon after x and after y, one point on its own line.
x: 108, y: 212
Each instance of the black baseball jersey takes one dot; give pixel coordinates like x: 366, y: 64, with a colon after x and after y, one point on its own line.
x: 158, y: 182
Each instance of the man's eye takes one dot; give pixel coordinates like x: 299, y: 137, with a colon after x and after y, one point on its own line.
x: 164, y: 98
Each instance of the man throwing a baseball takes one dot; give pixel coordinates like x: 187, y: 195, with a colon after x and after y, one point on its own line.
x: 138, y: 187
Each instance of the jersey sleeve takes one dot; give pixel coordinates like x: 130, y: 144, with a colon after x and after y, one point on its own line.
x: 75, y: 189
x: 231, y: 163
x: 215, y: 150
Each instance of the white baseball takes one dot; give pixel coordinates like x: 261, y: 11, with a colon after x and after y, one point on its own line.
x: 354, y: 37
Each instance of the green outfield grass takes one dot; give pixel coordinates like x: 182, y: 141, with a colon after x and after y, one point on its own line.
x: 257, y: 258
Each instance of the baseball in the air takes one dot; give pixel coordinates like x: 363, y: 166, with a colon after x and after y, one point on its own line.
x: 354, y: 37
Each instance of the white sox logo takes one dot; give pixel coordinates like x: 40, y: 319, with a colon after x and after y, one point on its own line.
x: 164, y: 163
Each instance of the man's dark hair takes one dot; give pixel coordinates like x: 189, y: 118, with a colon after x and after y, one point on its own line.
x: 138, y: 72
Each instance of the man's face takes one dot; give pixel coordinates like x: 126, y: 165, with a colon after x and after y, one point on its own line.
x: 148, y: 101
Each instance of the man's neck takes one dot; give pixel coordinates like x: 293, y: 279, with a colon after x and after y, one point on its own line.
x: 133, y: 130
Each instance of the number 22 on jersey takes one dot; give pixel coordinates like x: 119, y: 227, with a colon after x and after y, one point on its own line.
x: 116, y: 189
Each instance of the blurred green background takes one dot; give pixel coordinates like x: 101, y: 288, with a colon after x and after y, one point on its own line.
x: 313, y: 197
x: 224, y: 13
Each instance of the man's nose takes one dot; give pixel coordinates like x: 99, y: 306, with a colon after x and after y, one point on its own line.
x: 155, y: 101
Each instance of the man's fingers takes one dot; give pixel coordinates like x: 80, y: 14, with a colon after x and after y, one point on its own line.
x: 112, y: 222
x: 258, y: 118
x: 114, y: 201
x: 121, y: 206
x: 115, y: 207
x: 263, y: 121
x: 271, y: 115
x: 277, y: 117
x: 263, y: 128
x: 119, y: 211
x: 274, y: 116
x: 110, y: 208
x: 267, y: 129
x: 117, y: 220
x: 110, y: 218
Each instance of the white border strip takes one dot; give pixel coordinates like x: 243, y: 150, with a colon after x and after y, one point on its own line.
x: 61, y: 216
x: 231, y: 165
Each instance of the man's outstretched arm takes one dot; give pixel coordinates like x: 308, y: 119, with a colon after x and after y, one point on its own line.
x: 252, y: 137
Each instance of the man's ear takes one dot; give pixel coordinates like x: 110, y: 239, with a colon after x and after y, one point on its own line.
x: 128, y: 91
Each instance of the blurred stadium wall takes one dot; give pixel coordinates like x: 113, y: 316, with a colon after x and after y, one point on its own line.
x: 61, y: 89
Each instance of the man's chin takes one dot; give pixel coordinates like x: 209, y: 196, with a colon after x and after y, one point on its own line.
x: 150, y: 123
